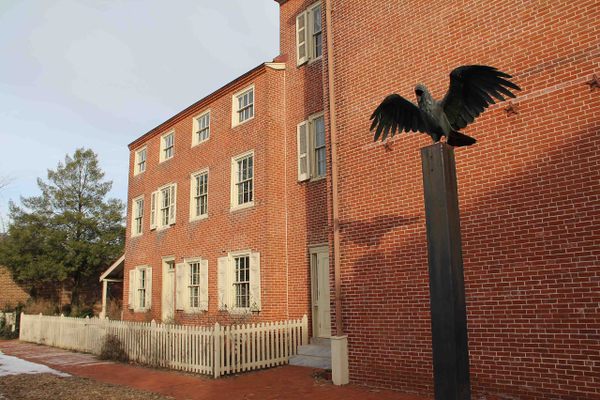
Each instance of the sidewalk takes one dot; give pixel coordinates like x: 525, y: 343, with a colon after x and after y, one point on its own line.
x: 286, y: 382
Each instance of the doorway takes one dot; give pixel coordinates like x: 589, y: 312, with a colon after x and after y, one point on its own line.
x: 168, y: 290
x: 319, y: 276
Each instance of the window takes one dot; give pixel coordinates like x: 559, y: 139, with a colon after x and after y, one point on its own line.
x: 163, y: 206
x: 192, y: 285
x: 243, y: 106
x: 242, y: 170
x: 309, y: 35
x: 137, y: 213
x: 140, y: 288
x: 140, y: 161
x: 199, y: 195
x: 312, y: 156
x: 201, y: 128
x: 239, y: 281
x: 167, y: 143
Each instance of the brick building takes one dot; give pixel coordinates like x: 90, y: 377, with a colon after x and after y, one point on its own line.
x: 11, y: 294
x: 287, y: 206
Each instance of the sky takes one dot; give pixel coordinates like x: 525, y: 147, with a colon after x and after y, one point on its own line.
x: 100, y: 73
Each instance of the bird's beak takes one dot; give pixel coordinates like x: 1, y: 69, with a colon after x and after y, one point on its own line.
x: 418, y: 93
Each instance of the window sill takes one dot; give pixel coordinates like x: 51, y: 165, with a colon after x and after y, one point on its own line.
x: 242, y: 206
x: 234, y: 125
x: 138, y: 173
x: 137, y: 235
x: 199, y: 218
x: 318, y: 178
x: 198, y: 143
x: 164, y: 227
x: 141, y: 310
x: 165, y: 160
x: 314, y: 60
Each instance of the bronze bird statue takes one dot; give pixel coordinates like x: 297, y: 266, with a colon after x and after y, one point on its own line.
x: 473, y: 88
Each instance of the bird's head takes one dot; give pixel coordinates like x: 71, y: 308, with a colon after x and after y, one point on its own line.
x: 421, y: 92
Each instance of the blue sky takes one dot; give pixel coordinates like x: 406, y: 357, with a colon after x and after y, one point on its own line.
x: 100, y: 73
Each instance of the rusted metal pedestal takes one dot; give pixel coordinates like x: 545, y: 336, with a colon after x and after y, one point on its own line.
x: 446, y: 282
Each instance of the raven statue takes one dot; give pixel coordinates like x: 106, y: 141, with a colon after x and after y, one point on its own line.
x: 472, y: 89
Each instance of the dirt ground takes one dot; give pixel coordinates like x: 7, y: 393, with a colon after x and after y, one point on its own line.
x: 48, y: 386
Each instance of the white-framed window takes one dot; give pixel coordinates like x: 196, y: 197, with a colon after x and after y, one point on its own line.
x: 167, y: 146
x: 140, y: 161
x: 242, y: 180
x: 309, y: 34
x: 192, y: 285
x: 140, y: 288
x: 201, y: 128
x: 199, y: 195
x: 239, y: 281
x: 243, y: 106
x: 137, y: 215
x: 312, y: 156
x: 163, y: 206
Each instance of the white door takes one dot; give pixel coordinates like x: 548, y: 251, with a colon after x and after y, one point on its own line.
x: 168, y: 291
x: 319, y: 260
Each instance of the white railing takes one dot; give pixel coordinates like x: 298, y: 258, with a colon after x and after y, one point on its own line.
x: 215, y: 350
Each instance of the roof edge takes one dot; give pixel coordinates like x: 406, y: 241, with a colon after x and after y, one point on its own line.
x: 190, y: 109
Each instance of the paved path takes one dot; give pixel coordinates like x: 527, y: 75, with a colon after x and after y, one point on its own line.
x: 286, y: 382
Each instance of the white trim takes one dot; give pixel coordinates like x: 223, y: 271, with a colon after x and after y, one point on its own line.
x: 161, y: 157
x: 112, y: 267
x: 192, y: 194
x: 134, y: 215
x: 231, y: 280
x: 234, y: 106
x: 136, y: 171
x: 233, y: 184
x: 148, y: 287
x: 172, y: 203
x: 276, y: 66
x: 195, y: 141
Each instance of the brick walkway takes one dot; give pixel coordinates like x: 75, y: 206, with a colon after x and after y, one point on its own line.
x: 286, y: 382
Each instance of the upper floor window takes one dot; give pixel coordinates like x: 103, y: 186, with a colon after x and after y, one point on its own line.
x: 137, y: 213
x: 199, y: 195
x: 167, y: 143
x: 163, y: 207
x: 201, y: 128
x: 312, y: 156
x: 243, y: 106
x: 140, y: 161
x: 242, y: 171
x: 309, y: 34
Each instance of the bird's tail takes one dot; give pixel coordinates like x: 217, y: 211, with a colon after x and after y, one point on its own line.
x: 458, y: 139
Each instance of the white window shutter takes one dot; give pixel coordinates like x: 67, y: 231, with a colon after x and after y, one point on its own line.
x: 180, y: 286
x: 132, y: 284
x: 255, y: 304
x: 204, y: 285
x: 301, y: 38
x: 173, y: 206
x: 148, y: 287
x: 234, y: 199
x: 303, y: 152
x: 153, y: 204
x: 223, y: 282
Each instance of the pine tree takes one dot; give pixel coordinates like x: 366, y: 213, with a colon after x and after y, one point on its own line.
x: 70, y: 233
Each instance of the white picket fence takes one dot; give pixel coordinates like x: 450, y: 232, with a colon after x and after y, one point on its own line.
x: 215, y: 350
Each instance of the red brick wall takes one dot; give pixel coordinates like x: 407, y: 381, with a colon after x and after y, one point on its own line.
x: 307, y: 212
x: 11, y: 294
x: 529, y: 195
x: 260, y: 228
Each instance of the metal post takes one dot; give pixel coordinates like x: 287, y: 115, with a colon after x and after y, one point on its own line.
x: 446, y: 282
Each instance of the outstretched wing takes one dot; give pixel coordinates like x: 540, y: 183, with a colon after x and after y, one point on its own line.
x: 395, y: 113
x: 473, y: 88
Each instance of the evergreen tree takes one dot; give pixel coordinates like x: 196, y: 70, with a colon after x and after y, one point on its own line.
x: 70, y: 233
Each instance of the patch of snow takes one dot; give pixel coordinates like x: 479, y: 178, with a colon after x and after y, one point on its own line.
x: 14, y: 366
